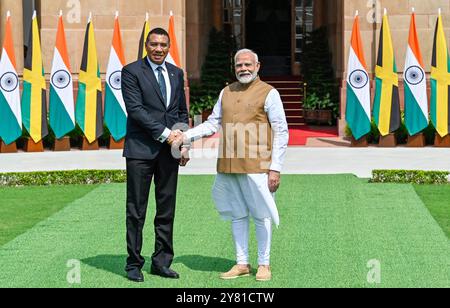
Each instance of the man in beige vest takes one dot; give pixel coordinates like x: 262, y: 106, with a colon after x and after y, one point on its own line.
x: 255, y: 136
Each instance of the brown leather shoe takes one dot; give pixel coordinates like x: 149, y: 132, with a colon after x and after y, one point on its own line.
x: 264, y: 273
x: 236, y: 272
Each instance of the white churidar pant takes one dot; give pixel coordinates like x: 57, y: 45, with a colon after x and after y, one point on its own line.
x: 239, y: 196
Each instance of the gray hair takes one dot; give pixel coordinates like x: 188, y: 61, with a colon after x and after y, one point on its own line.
x: 245, y: 50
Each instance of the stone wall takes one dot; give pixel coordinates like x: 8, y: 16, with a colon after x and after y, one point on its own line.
x: 199, y: 22
x: 132, y: 16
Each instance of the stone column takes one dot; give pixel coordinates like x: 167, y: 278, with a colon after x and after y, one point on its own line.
x: 17, y: 24
x: 217, y: 12
x: 320, y: 14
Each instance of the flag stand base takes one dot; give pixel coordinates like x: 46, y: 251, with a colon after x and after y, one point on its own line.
x: 360, y: 143
x: 12, y: 148
x: 416, y: 141
x: 89, y: 146
x: 388, y: 141
x: 33, y: 147
x: 440, y: 142
x: 116, y: 145
x: 62, y: 145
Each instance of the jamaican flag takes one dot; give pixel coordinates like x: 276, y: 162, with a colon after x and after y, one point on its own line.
x: 440, y: 82
x: 89, y: 101
x: 386, y: 109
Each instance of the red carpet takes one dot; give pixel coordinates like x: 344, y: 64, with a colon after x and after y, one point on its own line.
x: 299, y: 136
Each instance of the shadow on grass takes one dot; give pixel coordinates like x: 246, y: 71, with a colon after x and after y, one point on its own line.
x: 205, y: 264
x: 111, y: 263
x: 116, y: 263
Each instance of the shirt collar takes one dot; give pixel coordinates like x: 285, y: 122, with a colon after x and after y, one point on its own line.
x: 155, y: 66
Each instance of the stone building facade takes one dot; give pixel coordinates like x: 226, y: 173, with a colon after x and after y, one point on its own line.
x: 195, y: 18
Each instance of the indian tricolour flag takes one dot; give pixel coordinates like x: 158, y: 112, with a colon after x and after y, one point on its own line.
x: 10, y: 109
x: 62, y: 107
x: 174, y: 54
x: 115, y: 112
x: 416, y: 100
x: 358, y: 87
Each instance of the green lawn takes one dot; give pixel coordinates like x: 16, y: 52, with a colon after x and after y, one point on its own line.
x: 437, y: 200
x: 18, y: 215
x: 331, y: 227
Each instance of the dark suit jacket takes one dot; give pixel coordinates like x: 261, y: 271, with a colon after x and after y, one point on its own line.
x: 148, y: 115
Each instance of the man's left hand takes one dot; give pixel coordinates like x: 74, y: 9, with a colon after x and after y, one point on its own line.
x: 184, y: 157
x: 274, y: 181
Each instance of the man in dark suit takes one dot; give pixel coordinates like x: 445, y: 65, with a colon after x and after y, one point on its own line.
x: 153, y: 90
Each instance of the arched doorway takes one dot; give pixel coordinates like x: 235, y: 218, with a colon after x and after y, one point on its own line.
x: 268, y: 32
x: 275, y: 29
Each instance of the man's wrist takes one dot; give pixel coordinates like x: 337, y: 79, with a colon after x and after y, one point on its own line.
x: 165, y: 136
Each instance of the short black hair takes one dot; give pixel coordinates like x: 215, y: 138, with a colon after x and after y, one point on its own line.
x: 157, y: 31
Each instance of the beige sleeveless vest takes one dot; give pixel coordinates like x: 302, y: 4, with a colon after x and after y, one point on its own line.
x: 246, y: 141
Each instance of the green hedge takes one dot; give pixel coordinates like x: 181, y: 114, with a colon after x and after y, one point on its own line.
x: 62, y: 178
x: 410, y: 176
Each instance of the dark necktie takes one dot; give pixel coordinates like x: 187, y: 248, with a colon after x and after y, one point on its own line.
x: 162, y: 84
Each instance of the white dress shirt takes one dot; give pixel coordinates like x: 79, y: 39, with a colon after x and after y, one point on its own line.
x: 165, y: 73
x: 277, y: 118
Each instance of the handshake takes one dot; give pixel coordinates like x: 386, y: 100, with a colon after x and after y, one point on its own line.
x: 180, y: 146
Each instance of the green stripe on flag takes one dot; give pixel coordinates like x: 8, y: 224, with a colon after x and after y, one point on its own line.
x: 377, y: 101
x: 415, y: 120
x: 26, y: 105
x: 115, y: 118
x: 10, y: 129
x: 356, y: 116
x: 448, y: 62
x: 81, y: 106
x: 60, y: 121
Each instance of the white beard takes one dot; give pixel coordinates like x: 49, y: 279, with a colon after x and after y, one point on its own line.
x: 247, y: 79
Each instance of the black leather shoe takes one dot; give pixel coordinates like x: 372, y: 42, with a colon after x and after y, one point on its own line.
x: 135, y: 275
x: 164, y: 272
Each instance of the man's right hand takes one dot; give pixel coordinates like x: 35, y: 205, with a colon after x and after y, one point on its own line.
x: 175, y: 137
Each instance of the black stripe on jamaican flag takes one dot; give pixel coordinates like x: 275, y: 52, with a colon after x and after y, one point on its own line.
x: 141, y: 44
x: 84, y: 61
x: 29, y: 57
x: 433, y: 61
x: 395, y: 111
x: 44, y: 126
x: 380, y: 48
x: 99, y: 125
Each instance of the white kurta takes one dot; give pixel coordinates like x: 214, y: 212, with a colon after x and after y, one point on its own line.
x: 238, y: 195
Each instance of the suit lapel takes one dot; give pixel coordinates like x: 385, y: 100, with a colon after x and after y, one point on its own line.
x: 173, y: 82
x: 148, y: 72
